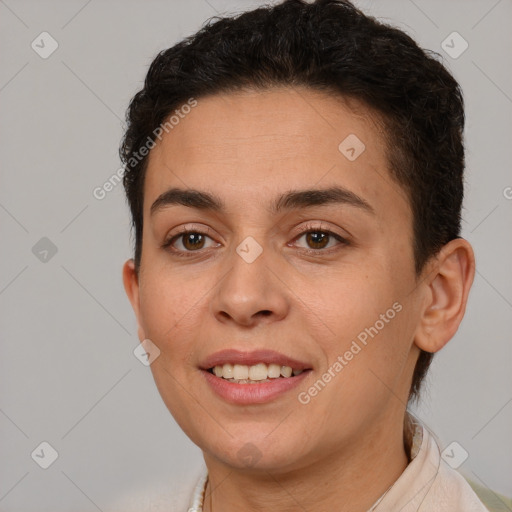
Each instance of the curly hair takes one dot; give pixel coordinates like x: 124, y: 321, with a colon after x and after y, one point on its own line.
x: 331, y: 46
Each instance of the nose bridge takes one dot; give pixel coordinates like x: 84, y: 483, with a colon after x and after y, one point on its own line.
x: 250, y: 289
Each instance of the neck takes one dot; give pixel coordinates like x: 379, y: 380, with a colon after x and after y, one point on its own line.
x: 352, y: 479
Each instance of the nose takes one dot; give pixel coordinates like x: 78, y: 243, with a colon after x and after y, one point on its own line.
x: 251, y: 292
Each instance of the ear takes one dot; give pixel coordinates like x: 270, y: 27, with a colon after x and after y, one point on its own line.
x: 131, y: 286
x: 447, y: 286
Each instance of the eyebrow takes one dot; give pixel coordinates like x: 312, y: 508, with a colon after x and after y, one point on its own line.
x: 290, y: 200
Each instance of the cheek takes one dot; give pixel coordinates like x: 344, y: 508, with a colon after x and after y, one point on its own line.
x: 362, y: 319
x: 347, y: 301
x: 168, y: 311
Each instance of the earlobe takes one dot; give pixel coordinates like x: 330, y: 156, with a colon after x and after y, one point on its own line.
x: 131, y: 286
x: 447, y: 291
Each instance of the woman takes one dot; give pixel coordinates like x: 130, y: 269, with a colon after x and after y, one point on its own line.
x: 295, y: 177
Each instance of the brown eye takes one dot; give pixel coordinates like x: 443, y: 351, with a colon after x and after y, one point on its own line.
x: 192, y: 241
x: 186, y: 242
x: 317, y: 239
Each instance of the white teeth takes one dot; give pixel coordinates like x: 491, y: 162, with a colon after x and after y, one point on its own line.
x: 258, y: 372
x: 286, y: 371
x: 274, y: 371
x: 255, y: 373
x: 227, y: 371
x: 240, y: 372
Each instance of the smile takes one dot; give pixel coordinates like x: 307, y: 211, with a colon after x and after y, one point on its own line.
x: 260, y: 372
x: 252, y: 377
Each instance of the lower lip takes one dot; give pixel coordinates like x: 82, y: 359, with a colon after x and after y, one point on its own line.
x: 244, y: 394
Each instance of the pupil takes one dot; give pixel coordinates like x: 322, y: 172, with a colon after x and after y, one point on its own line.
x: 193, y: 241
x: 317, y: 238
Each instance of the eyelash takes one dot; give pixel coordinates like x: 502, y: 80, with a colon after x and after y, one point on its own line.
x: 309, y: 228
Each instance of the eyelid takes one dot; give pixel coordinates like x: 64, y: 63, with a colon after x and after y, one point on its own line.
x: 320, y: 226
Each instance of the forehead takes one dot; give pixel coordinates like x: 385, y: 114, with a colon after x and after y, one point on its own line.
x: 246, y: 146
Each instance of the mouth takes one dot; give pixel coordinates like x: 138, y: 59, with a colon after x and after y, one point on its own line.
x: 254, y: 374
x: 252, y: 377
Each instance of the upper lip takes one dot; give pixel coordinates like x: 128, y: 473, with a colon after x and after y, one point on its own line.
x: 251, y: 358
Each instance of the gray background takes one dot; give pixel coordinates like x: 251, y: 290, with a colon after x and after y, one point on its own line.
x: 68, y: 375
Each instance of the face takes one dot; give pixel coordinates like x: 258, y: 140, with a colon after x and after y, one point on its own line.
x: 269, y: 275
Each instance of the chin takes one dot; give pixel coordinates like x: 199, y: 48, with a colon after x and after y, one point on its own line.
x: 253, y: 451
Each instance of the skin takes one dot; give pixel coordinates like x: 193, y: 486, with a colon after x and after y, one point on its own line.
x: 344, y: 448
